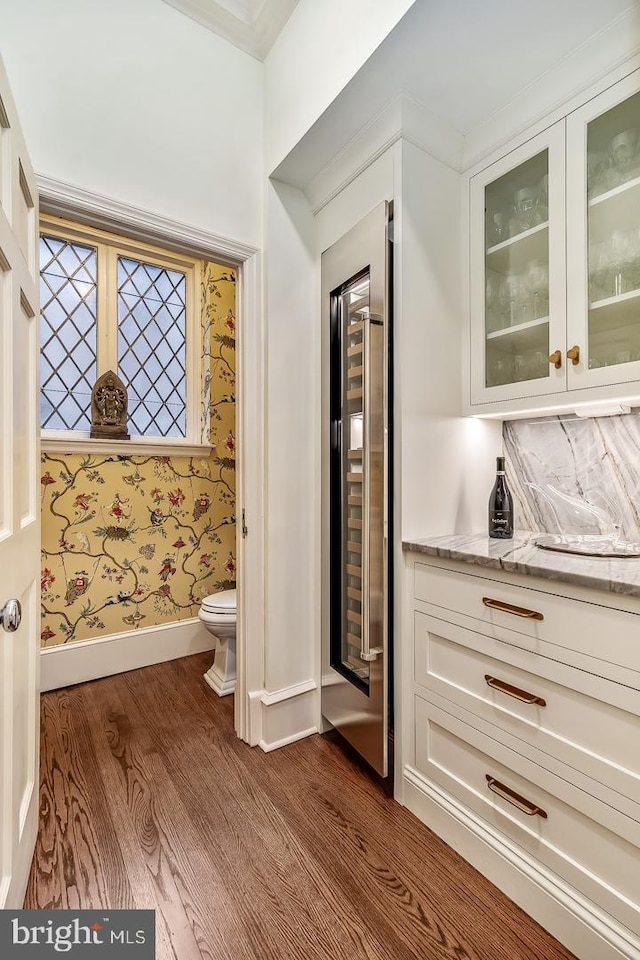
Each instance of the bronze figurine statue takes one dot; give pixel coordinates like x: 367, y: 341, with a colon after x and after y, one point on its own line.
x: 109, y: 403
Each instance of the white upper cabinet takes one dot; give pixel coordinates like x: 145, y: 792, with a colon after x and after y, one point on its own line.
x: 518, y: 272
x: 555, y: 263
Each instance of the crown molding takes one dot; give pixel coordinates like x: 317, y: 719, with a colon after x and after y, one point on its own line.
x: 402, y: 117
x: 67, y: 200
x: 250, y: 25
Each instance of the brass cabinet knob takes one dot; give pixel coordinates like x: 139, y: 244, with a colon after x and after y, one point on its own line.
x: 574, y: 355
x: 556, y: 358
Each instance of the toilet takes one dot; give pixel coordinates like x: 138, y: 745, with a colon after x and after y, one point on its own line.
x: 218, y: 614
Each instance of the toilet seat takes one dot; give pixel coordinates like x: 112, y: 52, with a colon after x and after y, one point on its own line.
x: 221, y: 604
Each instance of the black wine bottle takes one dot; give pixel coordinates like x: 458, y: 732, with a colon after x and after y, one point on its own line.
x: 500, y: 506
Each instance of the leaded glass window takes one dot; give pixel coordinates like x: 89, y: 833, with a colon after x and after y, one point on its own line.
x: 68, y: 273
x: 113, y: 303
x: 152, y: 347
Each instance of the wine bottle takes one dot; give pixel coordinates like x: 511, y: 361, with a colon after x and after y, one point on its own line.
x: 500, y: 506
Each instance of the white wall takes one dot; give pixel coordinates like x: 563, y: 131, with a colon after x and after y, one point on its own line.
x: 133, y: 100
x: 294, y: 241
x: 323, y: 45
x: 292, y: 451
x: 446, y: 461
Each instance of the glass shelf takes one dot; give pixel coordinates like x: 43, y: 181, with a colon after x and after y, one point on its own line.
x: 616, y: 192
x: 517, y: 251
x: 518, y: 329
x: 614, y: 312
x: 617, y: 209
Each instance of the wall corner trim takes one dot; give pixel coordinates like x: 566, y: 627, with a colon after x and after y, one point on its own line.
x: 286, y: 693
x: 68, y: 664
x: 279, y: 717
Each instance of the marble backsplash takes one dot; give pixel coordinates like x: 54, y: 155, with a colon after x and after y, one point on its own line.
x: 586, y: 472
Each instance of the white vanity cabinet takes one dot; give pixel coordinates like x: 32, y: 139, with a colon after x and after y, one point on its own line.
x: 525, y: 753
x: 554, y: 286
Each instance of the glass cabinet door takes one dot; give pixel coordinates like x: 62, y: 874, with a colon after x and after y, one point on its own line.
x: 517, y: 280
x: 516, y: 303
x: 603, y: 171
x: 613, y: 227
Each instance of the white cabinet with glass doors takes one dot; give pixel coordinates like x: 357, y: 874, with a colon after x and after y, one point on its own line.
x: 550, y: 319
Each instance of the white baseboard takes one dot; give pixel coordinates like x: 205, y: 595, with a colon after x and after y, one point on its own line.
x: 279, y: 717
x: 66, y: 664
x: 570, y: 917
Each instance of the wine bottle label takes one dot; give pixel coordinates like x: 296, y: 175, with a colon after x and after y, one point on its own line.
x: 501, y: 517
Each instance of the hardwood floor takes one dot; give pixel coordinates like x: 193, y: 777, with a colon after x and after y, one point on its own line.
x: 149, y: 800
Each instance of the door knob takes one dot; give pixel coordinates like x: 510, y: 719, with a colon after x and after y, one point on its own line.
x: 11, y: 615
x: 574, y: 355
x: 556, y: 359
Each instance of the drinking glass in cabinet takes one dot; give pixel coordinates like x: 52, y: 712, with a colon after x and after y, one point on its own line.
x: 538, y: 283
x: 517, y: 274
x: 509, y: 298
x: 613, y: 148
x: 613, y: 195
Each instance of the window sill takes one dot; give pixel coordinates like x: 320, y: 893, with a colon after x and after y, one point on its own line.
x: 136, y: 447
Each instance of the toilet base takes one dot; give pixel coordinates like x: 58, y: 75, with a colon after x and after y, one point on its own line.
x: 221, y: 675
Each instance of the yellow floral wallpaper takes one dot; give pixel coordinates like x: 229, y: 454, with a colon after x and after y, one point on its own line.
x: 137, y: 541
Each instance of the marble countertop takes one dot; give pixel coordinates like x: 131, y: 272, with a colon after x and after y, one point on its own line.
x: 520, y: 555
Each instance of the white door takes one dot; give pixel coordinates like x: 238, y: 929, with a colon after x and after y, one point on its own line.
x: 19, y: 507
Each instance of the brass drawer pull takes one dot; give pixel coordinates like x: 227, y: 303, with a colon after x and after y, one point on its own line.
x: 531, y: 809
x: 512, y: 691
x: 511, y: 608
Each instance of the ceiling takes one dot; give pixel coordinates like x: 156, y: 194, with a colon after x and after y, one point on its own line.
x: 251, y: 25
x: 465, y: 62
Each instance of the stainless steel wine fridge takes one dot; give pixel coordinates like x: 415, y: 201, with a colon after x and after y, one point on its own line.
x: 357, y: 515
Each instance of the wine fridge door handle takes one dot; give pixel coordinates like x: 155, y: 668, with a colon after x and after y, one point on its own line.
x: 369, y: 651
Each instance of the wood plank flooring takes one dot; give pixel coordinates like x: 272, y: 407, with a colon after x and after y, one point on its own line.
x: 148, y: 799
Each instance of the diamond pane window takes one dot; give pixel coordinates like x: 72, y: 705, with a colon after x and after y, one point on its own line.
x: 68, y: 274
x: 152, y: 347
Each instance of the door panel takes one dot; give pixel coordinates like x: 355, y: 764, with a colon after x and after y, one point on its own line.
x: 356, y: 337
x: 19, y: 505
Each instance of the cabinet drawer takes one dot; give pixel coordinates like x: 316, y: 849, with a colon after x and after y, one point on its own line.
x: 600, y: 639
x: 578, y: 837
x: 588, y: 723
